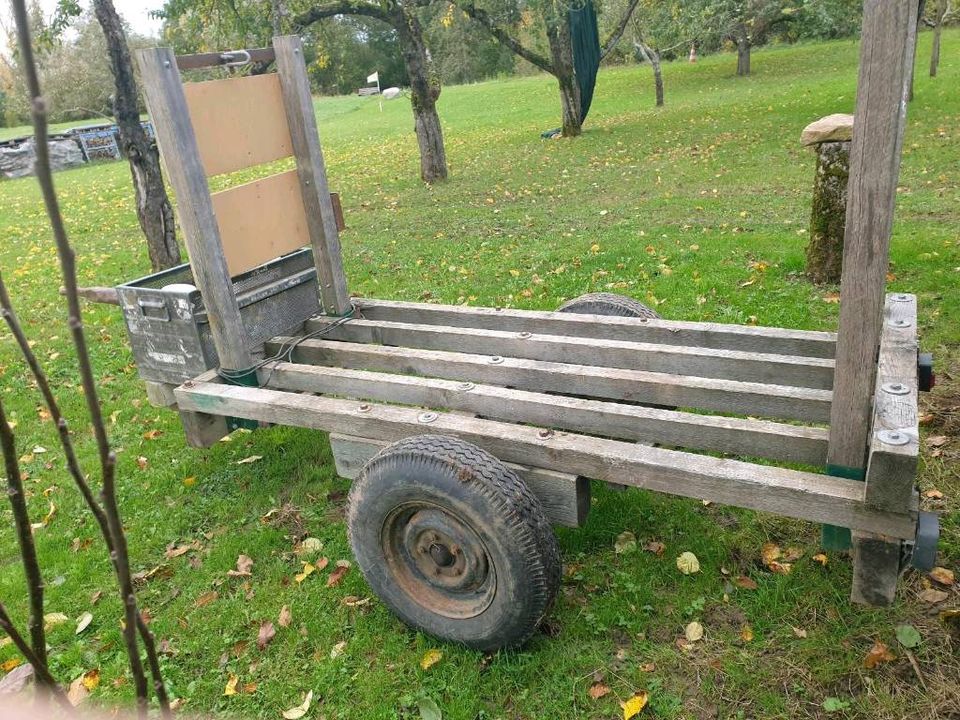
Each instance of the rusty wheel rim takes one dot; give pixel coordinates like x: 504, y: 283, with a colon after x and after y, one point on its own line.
x: 438, y: 559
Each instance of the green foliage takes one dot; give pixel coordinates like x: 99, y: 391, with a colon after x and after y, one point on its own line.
x: 684, y: 204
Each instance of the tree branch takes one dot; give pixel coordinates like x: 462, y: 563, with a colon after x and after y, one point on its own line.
x: 340, y: 7
x: 39, y: 668
x: 617, y: 33
x: 505, y: 38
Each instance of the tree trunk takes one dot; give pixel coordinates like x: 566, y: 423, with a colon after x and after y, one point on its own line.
x: 153, y: 207
x: 829, y: 213
x: 921, y: 4
x: 743, y: 54
x: 935, y: 51
x: 653, y: 57
x: 561, y: 51
x: 425, y: 89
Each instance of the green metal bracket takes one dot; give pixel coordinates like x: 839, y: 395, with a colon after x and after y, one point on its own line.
x: 831, y: 536
x: 247, y: 379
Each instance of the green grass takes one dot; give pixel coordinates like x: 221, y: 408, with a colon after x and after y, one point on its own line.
x: 679, y: 207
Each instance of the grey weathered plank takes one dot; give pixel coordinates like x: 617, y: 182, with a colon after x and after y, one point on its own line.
x: 160, y: 394
x: 756, y: 438
x: 669, y: 332
x: 167, y: 104
x: 612, y: 383
x: 677, y: 359
x: 565, y: 497
x: 321, y: 218
x: 787, y: 492
x: 892, y: 468
x: 876, y: 568
x: 886, y: 54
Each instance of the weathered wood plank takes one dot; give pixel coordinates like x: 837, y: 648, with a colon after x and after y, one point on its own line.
x: 716, y: 336
x: 160, y: 394
x: 876, y: 568
x: 728, y: 396
x: 238, y: 122
x: 167, y: 104
x: 203, y: 430
x: 321, y: 219
x: 885, y: 58
x: 676, y: 359
x: 565, y: 497
x: 755, y: 438
x: 787, y: 492
x: 895, y: 440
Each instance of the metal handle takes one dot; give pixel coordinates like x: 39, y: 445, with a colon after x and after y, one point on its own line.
x: 154, y: 308
x: 235, y: 58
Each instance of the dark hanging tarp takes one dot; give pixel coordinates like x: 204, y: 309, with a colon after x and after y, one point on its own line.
x: 585, y: 41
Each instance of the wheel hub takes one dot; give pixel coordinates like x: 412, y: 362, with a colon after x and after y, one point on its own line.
x: 438, y: 559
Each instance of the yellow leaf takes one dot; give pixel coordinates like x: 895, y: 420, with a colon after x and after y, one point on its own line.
x: 190, y: 481
x: 10, y: 664
x: 769, y: 552
x: 430, y: 658
x: 515, y: 273
x: 231, y: 688
x: 746, y: 633
x: 633, y: 706
x: 693, y: 631
x: 91, y: 679
x: 595, y: 248
x: 878, y: 654
x: 688, y: 564
x: 307, y: 570
x: 821, y: 558
x: 942, y: 576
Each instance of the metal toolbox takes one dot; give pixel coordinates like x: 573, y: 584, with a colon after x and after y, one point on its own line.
x: 168, y: 325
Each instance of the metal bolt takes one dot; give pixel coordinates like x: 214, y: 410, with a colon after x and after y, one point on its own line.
x: 427, y: 417
x: 900, y: 323
x: 296, y: 51
x: 545, y: 433
x: 188, y: 384
x: 465, y: 386
x: 895, y: 388
x: 893, y: 437
x: 364, y: 407
x: 524, y: 335
x: 496, y: 360
x: 166, y: 63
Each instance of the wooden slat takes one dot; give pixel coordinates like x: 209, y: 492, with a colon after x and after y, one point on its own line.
x: 756, y: 438
x: 239, y: 122
x: 669, y: 332
x: 565, y: 497
x: 167, y: 104
x: 212, y: 59
x: 787, y: 492
x: 261, y: 220
x: 301, y: 120
x: 892, y: 468
x: 680, y: 360
x: 885, y: 58
x: 728, y: 396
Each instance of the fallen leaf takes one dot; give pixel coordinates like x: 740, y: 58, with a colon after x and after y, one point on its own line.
x: 934, y: 596
x: 780, y: 568
x: 942, y: 576
x: 908, y: 636
x: 933, y: 495
x: 285, y: 617
x: 142, y: 462
x: 430, y: 658
x: 429, y: 710
x: 244, y: 564
x: 878, y: 655
x: 295, y: 713
x: 249, y: 688
x: 625, y: 543
x: 799, y: 632
x: 792, y: 554
x: 206, y: 598
x: 322, y: 563
x: 84, y: 622
x: 308, y: 546
x: 249, y: 460
x: 693, y: 631
x: 231, y: 686
x: 597, y: 690
x: 80, y: 688
x: 174, y: 552
x: 337, y: 575
x: 832, y: 297
x: 152, y: 434
x: 633, y: 706
x: 10, y: 664
x: 354, y: 601
x: 52, y: 619
x: 190, y: 481
x: 820, y: 558
x: 648, y: 667
x: 745, y: 582
x: 91, y: 679
x: 655, y: 547
x: 769, y: 553
x: 936, y: 441
x: 688, y: 564
x: 266, y: 634
x: 746, y: 633
x: 305, y: 573
x: 337, y: 650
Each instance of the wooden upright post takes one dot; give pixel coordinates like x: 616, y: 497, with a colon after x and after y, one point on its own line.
x: 886, y: 53
x: 167, y: 104
x: 321, y: 220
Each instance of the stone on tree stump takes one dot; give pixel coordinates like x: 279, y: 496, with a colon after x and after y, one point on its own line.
x: 830, y: 138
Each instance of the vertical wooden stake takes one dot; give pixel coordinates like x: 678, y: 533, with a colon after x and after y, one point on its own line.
x: 167, y: 104
x: 321, y: 220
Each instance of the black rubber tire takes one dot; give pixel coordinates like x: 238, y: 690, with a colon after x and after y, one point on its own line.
x: 447, y: 480
x: 602, y: 303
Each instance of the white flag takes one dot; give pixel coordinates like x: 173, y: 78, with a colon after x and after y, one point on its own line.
x: 375, y: 78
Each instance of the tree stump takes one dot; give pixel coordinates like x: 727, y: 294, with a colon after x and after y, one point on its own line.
x: 830, y: 139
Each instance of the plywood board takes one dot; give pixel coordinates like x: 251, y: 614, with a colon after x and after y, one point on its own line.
x: 261, y: 220
x: 239, y: 122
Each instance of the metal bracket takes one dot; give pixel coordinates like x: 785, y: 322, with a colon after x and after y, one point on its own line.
x: 235, y: 58
x: 921, y: 553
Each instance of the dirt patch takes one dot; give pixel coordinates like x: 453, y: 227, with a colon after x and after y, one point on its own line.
x: 724, y: 617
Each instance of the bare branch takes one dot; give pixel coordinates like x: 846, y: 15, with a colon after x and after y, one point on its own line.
x: 614, y: 38
x: 501, y: 34
x: 39, y: 668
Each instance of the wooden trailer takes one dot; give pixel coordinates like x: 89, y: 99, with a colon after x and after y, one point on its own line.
x: 470, y: 430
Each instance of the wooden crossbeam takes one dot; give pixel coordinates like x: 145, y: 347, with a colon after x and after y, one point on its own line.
x: 775, y: 401
x: 678, y: 359
x: 786, y: 492
x: 716, y: 336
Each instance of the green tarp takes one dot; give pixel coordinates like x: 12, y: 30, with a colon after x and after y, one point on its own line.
x: 585, y: 40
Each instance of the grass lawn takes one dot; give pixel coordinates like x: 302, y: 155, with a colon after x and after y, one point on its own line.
x: 699, y: 208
